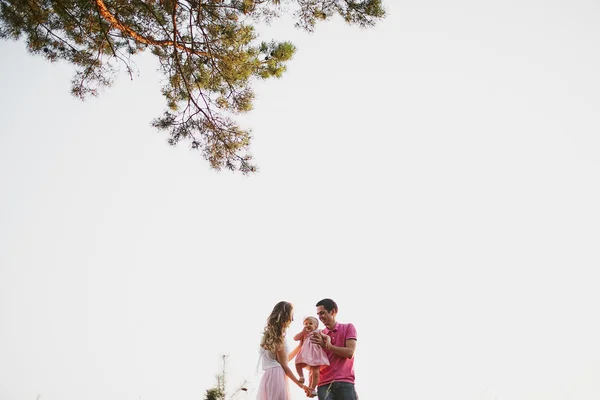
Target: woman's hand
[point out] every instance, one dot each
(308, 391)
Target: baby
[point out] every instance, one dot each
(310, 355)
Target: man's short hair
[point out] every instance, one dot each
(328, 304)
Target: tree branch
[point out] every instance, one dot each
(115, 23)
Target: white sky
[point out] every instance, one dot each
(437, 176)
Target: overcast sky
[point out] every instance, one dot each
(437, 176)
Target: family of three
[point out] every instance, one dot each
(327, 354)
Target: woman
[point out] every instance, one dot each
(274, 355)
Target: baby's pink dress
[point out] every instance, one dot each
(311, 354)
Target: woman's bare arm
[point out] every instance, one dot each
(299, 335)
(282, 359)
(294, 352)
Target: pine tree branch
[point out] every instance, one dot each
(115, 23)
(112, 47)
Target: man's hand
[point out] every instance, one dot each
(327, 342)
(318, 338)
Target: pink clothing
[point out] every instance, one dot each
(311, 354)
(273, 382)
(340, 369)
(273, 385)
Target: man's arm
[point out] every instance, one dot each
(346, 351)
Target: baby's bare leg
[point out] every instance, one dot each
(314, 377)
(300, 371)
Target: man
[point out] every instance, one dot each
(336, 381)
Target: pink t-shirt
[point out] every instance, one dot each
(340, 369)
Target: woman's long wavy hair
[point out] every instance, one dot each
(277, 323)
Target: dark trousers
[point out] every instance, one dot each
(337, 391)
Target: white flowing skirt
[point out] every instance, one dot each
(274, 385)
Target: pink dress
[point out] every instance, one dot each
(273, 382)
(311, 354)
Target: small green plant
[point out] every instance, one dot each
(219, 392)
